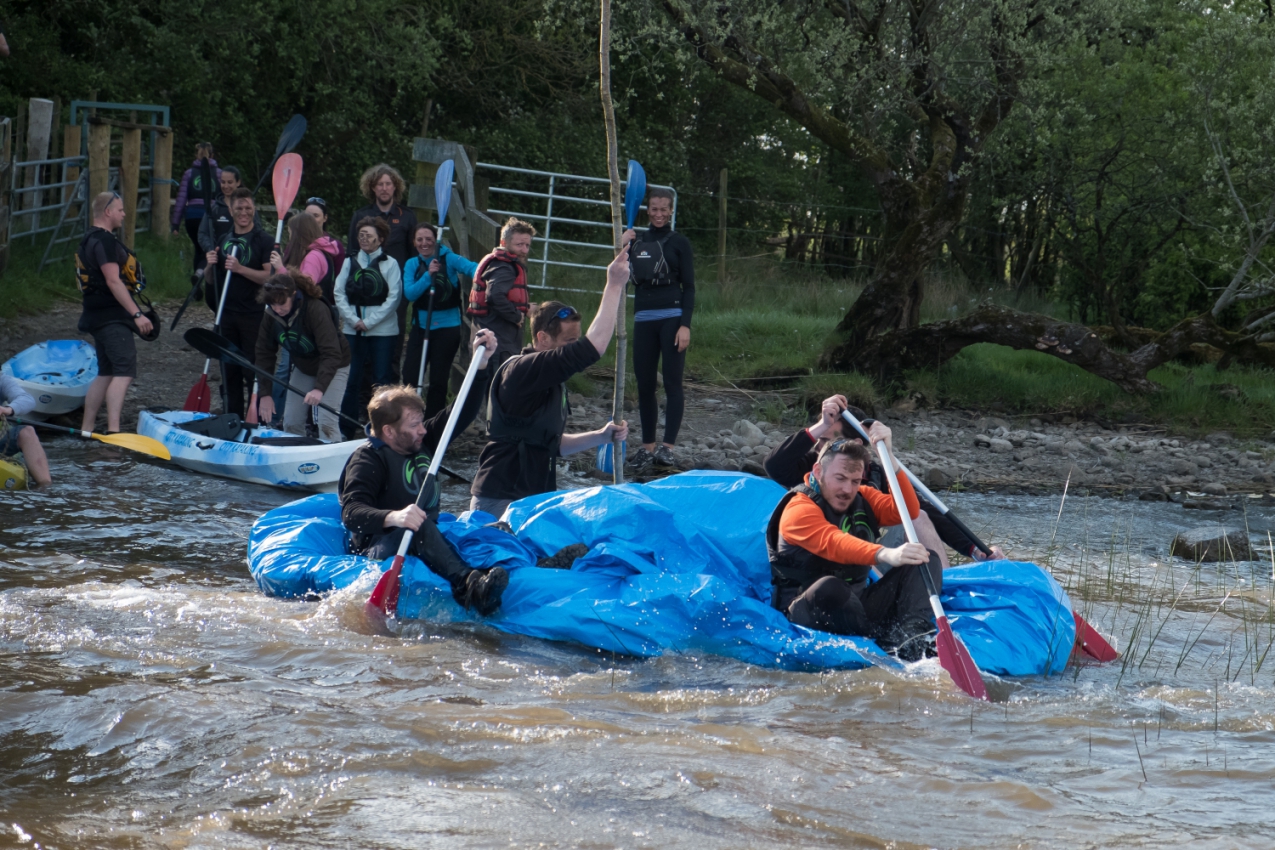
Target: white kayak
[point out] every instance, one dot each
(56, 373)
(312, 467)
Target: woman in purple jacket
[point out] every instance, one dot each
(195, 193)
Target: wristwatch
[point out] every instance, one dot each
(137, 315)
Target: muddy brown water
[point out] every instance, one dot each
(150, 696)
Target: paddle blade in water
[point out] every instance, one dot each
(634, 192)
(384, 599)
(287, 180)
(199, 399)
(136, 443)
(1093, 644)
(443, 189)
(956, 660)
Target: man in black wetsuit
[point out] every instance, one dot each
(381, 480)
(527, 406)
(790, 461)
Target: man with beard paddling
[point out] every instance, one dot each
(380, 482)
(821, 554)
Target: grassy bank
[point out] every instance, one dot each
(763, 331)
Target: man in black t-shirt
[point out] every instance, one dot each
(664, 280)
(527, 404)
(244, 252)
(110, 313)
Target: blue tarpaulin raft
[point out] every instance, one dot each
(677, 565)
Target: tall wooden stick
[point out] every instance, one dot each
(617, 224)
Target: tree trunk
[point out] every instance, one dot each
(888, 356)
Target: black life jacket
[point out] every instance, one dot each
(403, 479)
(90, 279)
(239, 243)
(201, 183)
(543, 429)
(222, 222)
(367, 287)
(649, 266)
(792, 567)
(290, 331)
(446, 296)
(328, 282)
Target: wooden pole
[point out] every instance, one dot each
(6, 180)
(39, 131)
(721, 231)
(161, 186)
(99, 159)
(70, 147)
(130, 174)
(617, 223)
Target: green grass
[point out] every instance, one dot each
(25, 289)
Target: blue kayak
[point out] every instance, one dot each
(56, 373)
(676, 565)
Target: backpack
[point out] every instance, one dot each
(366, 287)
(649, 265)
(87, 280)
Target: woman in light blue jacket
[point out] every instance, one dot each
(367, 292)
(434, 270)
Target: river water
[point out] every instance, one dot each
(150, 696)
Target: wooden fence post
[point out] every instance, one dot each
(99, 159)
(70, 148)
(161, 185)
(721, 230)
(130, 172)
(6, 180)
(39, 130)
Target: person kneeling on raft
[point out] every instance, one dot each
(821, 550)
(789, 462)
(380, 482)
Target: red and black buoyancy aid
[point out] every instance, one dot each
(796, 568)
(518, 297)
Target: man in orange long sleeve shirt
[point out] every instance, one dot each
(822, 545)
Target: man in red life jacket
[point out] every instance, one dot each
(498, 300)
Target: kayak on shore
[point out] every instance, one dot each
(676, 565)
(271, 457)
(56, 373)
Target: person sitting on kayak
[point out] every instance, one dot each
(300, 322)
(527, 406)
(790, 461)
(15, 401)
(821, 540)
(381, 480)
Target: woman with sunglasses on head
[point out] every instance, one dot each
(433, 271)
(317, 209)
(368, 290)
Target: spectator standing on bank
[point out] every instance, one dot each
(317, 209)
(367, 288)
(195, 194)
(664, 276)
(435, 268)
(110, 314)
(244, 252)
(498, 300)
(384, 187)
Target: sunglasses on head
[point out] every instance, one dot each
(318, 202)
(567, 313)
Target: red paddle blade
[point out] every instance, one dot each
(199, 399)
(384, 599)
(956, 660)
(1091, 643)
(287, 180)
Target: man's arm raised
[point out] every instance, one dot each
(603, 326)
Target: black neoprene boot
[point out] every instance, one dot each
(482, 589)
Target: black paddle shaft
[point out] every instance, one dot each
(211, 344)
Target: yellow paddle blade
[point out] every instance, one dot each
(137, 443)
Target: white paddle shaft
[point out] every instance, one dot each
(917, 485)
(479, 360)
(887, 463)
(221, 305)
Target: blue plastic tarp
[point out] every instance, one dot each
(675, 565)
